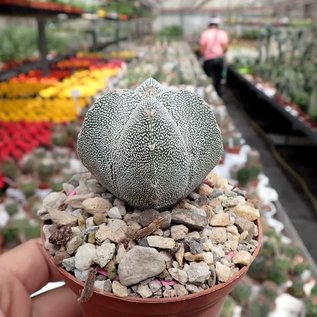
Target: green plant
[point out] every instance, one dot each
(241, 294)
(290, 251)
(12, 208)
(9, 169)
(268, 249)
(259, 268)
(269, 290)
(28, 189)
(171, 32)
(299, 268)
(151, 146)
(32, 231)
(297, 289)
(311, 308)
(45, 169)
(257, 309)
(278, 271)
(9, 234)
(28, 164)
(228, 308)
(313, 291)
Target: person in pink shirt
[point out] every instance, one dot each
(213, 46)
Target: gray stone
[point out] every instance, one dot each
(122, 210)
(242, 258)
(68, 188)
(247, 212)
(220, 220)
(231, 245)
(178, 232)
(167, 233)
(54, 200)
(245, 225)
(148, 216)
(119, 290)
(76, 201)
(179, 254)
(218, 251)
(143, 242)
(117, 202)
(190, 218)
(62, 218)
(107, 286)
(81, 275)
(100, 285)
(205, 190)
(99, 218)
(73, 244)
(198, 272)
(167, 220)
(94, 186)
(180, 290)
(115, 231)
(223, 272)
(233, 230)
(60, 255)
(191, 288)
(208, 257)
(169, 293)
(144, 291)
(69, 263)
(155, 286)
(178, 275)
(96, 204)
(194, 235)
(121, 252)
(219, 235)
(114, 213)
(231, 201)
(194, 246)
(76, 231)
(90, 222)
(105, 253)
(161, 242)
(158, 232)
(139, 264)
(85, 256)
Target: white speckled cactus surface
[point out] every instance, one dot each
(152, 146)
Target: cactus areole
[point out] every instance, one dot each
(150, 146)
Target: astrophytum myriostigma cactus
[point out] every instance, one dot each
(152, 146)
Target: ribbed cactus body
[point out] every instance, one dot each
(150, 147)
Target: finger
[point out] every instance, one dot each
(28, 264)
(61, 302)
(14, 300)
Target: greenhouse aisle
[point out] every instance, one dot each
(298, 209)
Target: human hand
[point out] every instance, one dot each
(23, 271)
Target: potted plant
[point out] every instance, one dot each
(149, 231)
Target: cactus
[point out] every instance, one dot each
(241, 293)
(11, 208)
(278, 271)
(9, 169)
(228, 308)
(46, 169)
(150, 147)
(297, 289)
(28, 164)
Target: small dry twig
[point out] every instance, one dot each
(144, 232)
(88, 289)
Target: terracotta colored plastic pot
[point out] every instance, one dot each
(207, 303)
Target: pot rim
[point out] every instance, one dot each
(163, 300)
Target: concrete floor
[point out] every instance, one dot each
(300, 212)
